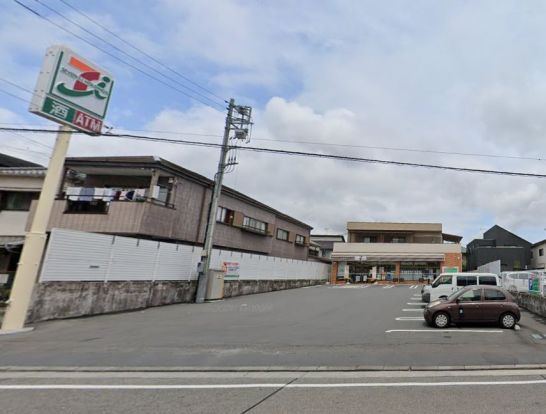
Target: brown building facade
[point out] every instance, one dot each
(396, 252)
(149, 197)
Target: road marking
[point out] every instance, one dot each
(414, 286)
(415, 303)
(264, 385)
(412, 310)
(388, 286)
(446, 330)
(410, 318)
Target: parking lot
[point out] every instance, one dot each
(367, 326)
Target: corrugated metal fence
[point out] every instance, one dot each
(80, 256)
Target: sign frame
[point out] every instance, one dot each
(72, 91)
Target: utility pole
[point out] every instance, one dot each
(241, 133)
(35, 239)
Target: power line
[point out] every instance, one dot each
(13, 95)
(127, 54)
(418, 150)
(16, 85)
(141, 51)
(30, 9)
(300, 153)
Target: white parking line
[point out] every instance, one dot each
(263, 385)
(412, 310)
(409, 318)
(416, 304)
(447, 330)
(414, 286)
(388, 286)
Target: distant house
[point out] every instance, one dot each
(498, 243)
(20, 183)
(322, 245)
(538, 257)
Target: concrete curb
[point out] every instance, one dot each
(358, 368)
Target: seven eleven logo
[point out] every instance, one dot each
(88, 82)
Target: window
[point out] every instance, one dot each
(541, 252)
(282, 234)
(224, 215)
(17, 200)
(256, 225)
(474, 295)
(87, 207)
(398, 239)
(492, 294)
(300, 239)
(466, 280)
(488, 280)
(443, 280)
(369, 239)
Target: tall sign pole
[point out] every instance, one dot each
(35, 239)
(74, 93)
(239, 124)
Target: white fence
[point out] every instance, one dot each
(491, 267)
(80, 256)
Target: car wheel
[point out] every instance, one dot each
(441, 320)
(508, 320)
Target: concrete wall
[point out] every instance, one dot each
(248, 287)
(533, 303)
(60, 300)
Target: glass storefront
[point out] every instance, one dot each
(409, 271)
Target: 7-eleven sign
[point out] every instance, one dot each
(72, 91)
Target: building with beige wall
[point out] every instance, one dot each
(538, 255)
(395, 252)
(151, 198)
(20, 183)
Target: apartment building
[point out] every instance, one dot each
(20, 183)
(151, 198)
(395, 252)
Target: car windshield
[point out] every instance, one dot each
(453, 296)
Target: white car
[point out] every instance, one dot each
(448, 283)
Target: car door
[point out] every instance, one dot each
(469, 305)
(493, 305)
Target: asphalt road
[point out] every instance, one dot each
(394, 392)
(309, 327)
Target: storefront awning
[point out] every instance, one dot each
(389, 258)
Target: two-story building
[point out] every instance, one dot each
(538, 257)
(498, 243)
(20, 183)
(151, 198)
(395, 252)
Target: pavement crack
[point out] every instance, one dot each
(269, 396)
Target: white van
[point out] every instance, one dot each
(448, 283)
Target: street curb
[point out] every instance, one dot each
(358, 368)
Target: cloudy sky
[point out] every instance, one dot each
(360, 78)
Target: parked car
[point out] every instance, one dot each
(449, 283)
(474, 304)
